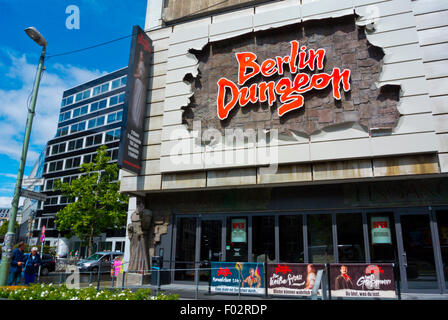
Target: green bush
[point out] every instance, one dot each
(53, 292)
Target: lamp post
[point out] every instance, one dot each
(9, 237)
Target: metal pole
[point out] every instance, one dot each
(9, 237)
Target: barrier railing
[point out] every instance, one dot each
(323, 287)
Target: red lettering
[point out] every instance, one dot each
(246, 60)
(280, 62)
(270, 87)
(248, 94)
(223, 109)
(294, 53)
(268, 68)
(339, 77)
(290, 102)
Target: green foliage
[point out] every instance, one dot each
(53, 292)
(99, 204)
(47, 249)
(4, 228)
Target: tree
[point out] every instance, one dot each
(99, 205)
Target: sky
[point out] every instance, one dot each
(99, 21)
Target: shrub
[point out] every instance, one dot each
(53, 292)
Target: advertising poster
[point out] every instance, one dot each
(226, 277)
(134, 109)
(381, 230)
(292, 279)
(362, 280)
(239, 230)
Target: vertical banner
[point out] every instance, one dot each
(227, 276)
(134, 109)
(292, 279)
(362, 280)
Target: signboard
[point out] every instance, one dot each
(362, 280)
(290, 92)
(33, 195)
(33, 182)
(226, 277)
(239, 233)
(134, 109)
(292, 279)
(42, 236)
(381, 230)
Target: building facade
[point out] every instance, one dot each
(91, 115)
(301, 131)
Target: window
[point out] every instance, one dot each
(111, 118)
(76, 112)
(119, 115)
(105, 87)
(114, 154)
(350, 237)
(49, 185)
(63, 102)
(86, 94)
(64, 116)
(263, 239)
(72, 163)
(102, 104)
(123, 81)
(113, 101)
(75, 144)
(62, 132)
(121, 98)
(96, 91)
(320, 238)
(291, 239)
(78, 97)
(113, 135)
(94, 107)
(68, 100)
(116, 84)
(100, 121)
(92, 124)
(58, 148)
(94, 140)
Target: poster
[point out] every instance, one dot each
(134, 109)
(239, 233)
(381, 230)
(292, 279)
(362, 280)
(227, 276)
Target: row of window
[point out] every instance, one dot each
(77, 144)
(58, 200)
(90, 124)
(92, 92)
(75, 162)
(95, 106)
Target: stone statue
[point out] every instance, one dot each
(138, 231)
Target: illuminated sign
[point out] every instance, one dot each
(238, 230)
(381, 230)
(289, 91)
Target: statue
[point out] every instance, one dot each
(138, 231)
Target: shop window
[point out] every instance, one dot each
(381, 237)
(236, 239)
(350, 237)
(185, 248)
(320, 238)
(291, 238)
(263, 239)
(442, 223)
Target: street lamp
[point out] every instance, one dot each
(9, 237)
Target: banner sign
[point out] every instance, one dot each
(239, 230)
(134, 109)
(362, 280)
(227, 276)
(292, 279)
(381, 230)
(289, 92)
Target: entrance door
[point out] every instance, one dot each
(210, 246)
(416, 252)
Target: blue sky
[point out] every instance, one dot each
(100, 21)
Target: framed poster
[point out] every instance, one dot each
(239, 230)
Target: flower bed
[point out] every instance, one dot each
(53, 292)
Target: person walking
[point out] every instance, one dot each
(32, 266)
(17, 263)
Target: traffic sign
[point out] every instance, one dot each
(33, 195)
(33, 182)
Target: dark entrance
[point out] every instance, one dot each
(210, 246)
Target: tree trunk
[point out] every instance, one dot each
(91, 240)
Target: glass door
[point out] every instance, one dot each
(210, 246)
(417, 254)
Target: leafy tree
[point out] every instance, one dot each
(4, 228)
(99, 204)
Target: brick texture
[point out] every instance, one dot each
(346, 46)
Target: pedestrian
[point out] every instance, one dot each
(32, 266)
(17, 263)
(116, 268)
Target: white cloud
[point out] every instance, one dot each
(5, 202)
(13, 110)
(9, 175)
